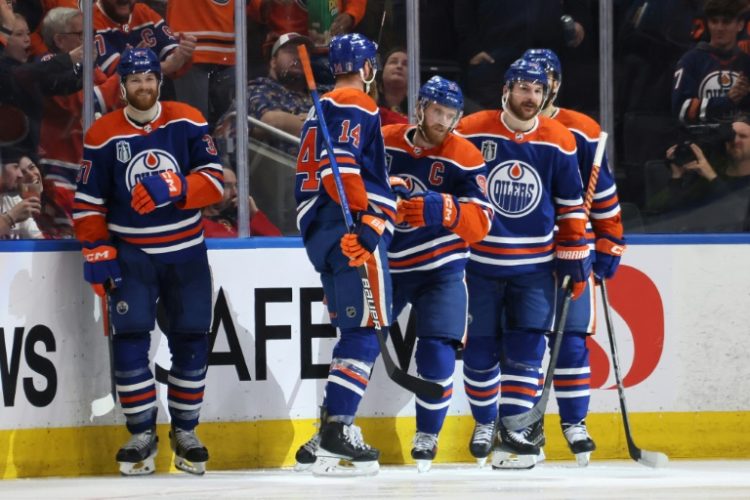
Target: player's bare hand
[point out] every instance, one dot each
(342, 24)
(30, 207)
(481, 57)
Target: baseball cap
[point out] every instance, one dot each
(289, 38)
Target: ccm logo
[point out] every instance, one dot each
(96, 256)
(447, 208)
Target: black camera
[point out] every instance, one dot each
(683, 154)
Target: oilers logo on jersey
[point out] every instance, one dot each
(717, 84)
(147, 163)
(514, 188)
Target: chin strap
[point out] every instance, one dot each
(365, 80)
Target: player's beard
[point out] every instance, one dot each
(434, 135)
(525, 110)
(143, 100)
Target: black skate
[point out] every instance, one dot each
(481, 442)
(514, 450)
(536, 436)
(306, 454)
(136, 457)
(579, 442)
(189, 453)
(340, 442)
(424, 451)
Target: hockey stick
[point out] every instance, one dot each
(520, 421)
(536, 413)
(409, 382)
(104, 405)
(645, 457)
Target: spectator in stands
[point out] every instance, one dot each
(38, 45)
(209, 83)
(280, 99)
(61, 141)
(17, 212)
(392, 85)
(220, 220)
(711, 81)
(54, 219)
(494, 33)
(695, 183)
(122, 23)
(29, 82)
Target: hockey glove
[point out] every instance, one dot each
(100, 265)
(430, 209)
(608, 252)
(400, 187)
(574, 260)
(158, 190)
(360, 244)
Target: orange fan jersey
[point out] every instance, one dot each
(211, 22)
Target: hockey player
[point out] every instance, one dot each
(572, 375)
(443, 210)
(147, 171)
(354, 124)
(533, 184)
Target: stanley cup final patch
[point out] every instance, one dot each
(123, 151)
(489, 150)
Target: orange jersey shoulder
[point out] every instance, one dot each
(395, 135)
(105, 128)
(462, 152)
(579, 122)
(481, 122)
(348, 96)
(553, 132)
(173, 110)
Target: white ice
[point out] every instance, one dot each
(717, 479)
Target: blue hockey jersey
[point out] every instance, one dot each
(118, 153)
(354, 125)
(455, 167)
(533, 183)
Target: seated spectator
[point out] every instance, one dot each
(281, 99)
(17, 212)
(55, 219)
(711, 81)
(392, 85)
(220, 220)
(696, 183)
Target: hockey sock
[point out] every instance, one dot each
(187, 377)
(353, 357)
(482, 377)
(136, 388)
(436, 361)
(521, 378)
(572, 378)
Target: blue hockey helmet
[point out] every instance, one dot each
(547, 59)
(523, 70)
(348, 53)
(442, 91)
(134, 61)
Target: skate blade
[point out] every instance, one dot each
(142, 468)
(333, 466)
(196, 468)
(509, 461)
(423, 465)
(583, 458)
(481, 462)
(300, 467)
(541, 457)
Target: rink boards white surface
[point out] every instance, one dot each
(683, 480)
(681, 317)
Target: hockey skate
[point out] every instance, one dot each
(536, 436)
(579, 442)
(424, 451)
(306, 454)
(514, 450)
(343, 452)
(136, 457)
(189, 453)
(481, 442)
